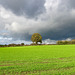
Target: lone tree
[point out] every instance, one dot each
(36, 37)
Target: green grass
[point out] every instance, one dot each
(38, 60)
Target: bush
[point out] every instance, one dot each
(62, 42)
(22, 44)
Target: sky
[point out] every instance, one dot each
(53, 19)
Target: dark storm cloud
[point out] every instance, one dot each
(65, 29)
(30, 8)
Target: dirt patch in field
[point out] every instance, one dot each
(66, 58)
(54, 59)
(65, 68)
(62, 58)
(73, 74)
(7, 65)
(11, 61)
(42, 62)
(39, 71)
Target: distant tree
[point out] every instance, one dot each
(59, 42)
(22, 44)
(66, 42)
(63, 42)
(36, 37)
(73, 41)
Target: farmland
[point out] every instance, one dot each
(38, 60)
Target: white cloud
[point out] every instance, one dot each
(3, 13)
(49, 41)
(5, 40)
(67, 39)
(73, 13)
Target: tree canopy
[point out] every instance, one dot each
(36, 37)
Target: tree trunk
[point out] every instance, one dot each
(36, 42)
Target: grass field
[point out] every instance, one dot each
(38, 60)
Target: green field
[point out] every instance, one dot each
(38, 60)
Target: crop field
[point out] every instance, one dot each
(38, 60)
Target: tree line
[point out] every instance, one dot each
(12, 45)
(66, 42)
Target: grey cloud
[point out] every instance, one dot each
(69, 3)
(29, 8)
(57, 22)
